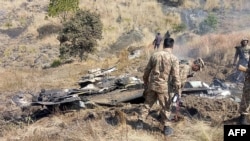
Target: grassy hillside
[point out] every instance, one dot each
(28, 36)
(28, 42)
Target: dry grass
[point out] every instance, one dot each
(65, 76)
(198, 131)
(216, 44)
(191, 4)
(142, 14)
(74, 126)
(211, 4)
(218, 4)
(146, 15)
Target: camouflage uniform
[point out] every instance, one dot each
(185, 70)
(160, 67)
(242, 53)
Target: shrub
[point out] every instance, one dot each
(62, 8)
(179, 28)
(209, 24)
(79, 35)
(55, 63)
(211, 21)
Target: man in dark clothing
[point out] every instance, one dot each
(241, 52)
(167, 35)
(157, 41)
(245, 100)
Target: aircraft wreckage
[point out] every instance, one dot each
(99, 86)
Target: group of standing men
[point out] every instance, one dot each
(165, 74)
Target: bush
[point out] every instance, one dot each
(211, 21)
(62, 8)
(179, 28)
(209, 24)
(56, 63)
(80, 34)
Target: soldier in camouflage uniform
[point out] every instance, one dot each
(188, 69)
(241, 52)
(161, 66)
(245, 100)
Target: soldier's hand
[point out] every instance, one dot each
(192, 74)
(179, 93)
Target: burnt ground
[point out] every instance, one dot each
(220, 110)
(215, 110)
(223, 110)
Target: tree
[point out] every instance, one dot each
(62, 8)
(80, 34)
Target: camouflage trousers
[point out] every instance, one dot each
(150, 98)
(245, 100)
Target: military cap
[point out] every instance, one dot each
(244, 39)
(200, 63)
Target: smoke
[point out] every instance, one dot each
(230, 16)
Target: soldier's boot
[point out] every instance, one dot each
(143, 114)
(167, 130)
(243, 120)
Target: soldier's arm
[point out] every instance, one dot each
(147, 70)
(236, 55)
(191, 75)
(176, 76)
(185, 71)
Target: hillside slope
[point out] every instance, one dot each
(28, 36)
(28, 43)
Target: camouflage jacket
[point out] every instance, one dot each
(162, 66)
(185, 71)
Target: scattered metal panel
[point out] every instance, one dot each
(21, 101)
(63, 101)
(217, 89)
(116, 96)
(100, 87)
(97, 86)
(196, 84)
